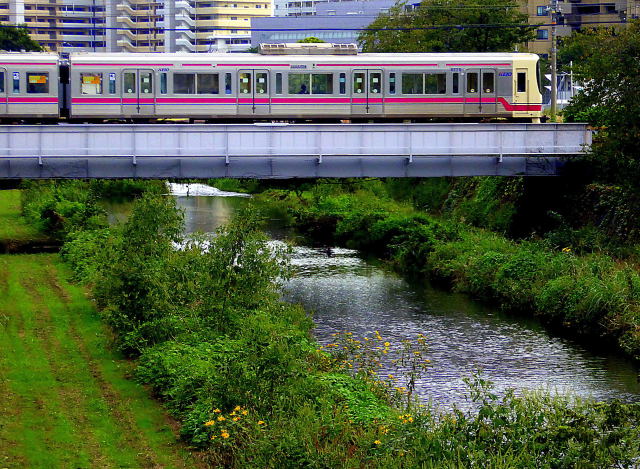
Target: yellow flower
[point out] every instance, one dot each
(233, 413)
(377, 442)
(217, 411)
(566, 249)
(221, 418)
(410, 419)
(224, 434)
(209, 423)
(387, 344)
(213, 437)
(260, 422)
(235, 419)
(237, 408)
(245, 412)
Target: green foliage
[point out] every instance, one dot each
(449, 26)
(311, 40)
(16, 38)
(607, 63)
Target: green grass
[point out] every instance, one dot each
(66, 399)
(12, 225)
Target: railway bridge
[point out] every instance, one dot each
(281, 150)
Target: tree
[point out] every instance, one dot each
(607, 63)
(16, 38)
(449, 26)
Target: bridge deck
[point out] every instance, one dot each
(287, 150)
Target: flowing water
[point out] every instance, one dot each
(347, 293)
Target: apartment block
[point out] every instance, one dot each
(137, 25)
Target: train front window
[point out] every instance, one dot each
(299, 83)
(129, 82)
(412, 83)
(322, 83)
(436, 83)
(488, 85)
(184, 83)
(91, 83)
(38, 82)
(375, 82)
(208, 83)
(262, 85)
(358, 83)
(245, 83)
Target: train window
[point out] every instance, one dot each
(392, 83)
(16, 82)
(112, 83)
(299, 83)
(375, 82)
(436, 83)
(359, 83)
(1, 82)
(522, 82)
(184, 83)
(129, 82)
(227, 83)
(488, 85)
(146, 82)
(322, 83)
(262, 85)
(163, 83)
(455, 83)
(91, 83)
(208, 83)
(38, 82)
(343, 83)
(278, 83)
(245, 83)
(472, 82)
(412, 83)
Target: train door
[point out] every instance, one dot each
(366, 97)
(3, 90)
(253, 92)
(480, 91)
(138, 93)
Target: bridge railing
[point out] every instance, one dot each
(245, 140)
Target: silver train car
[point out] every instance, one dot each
(159, 86)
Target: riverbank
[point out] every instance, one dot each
(587, 296)
(239, 370)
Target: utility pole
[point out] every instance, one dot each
(554, 68)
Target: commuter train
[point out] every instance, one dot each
(104, 87)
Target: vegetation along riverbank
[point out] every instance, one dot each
(239, 370)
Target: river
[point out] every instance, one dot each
(348, 293)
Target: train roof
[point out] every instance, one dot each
(169, 59)
(40, 58)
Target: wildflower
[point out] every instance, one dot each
(377, 442)
(237, 408)
(224, 434)
(221, 418)
(209, 423)
(566, 249)
(245, 412)
(387, 344)
(235, 419)
(216, 411)
(233, 413)
(260, 422)
(213, 437)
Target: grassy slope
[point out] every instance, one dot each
(66, 400)
(12, 225)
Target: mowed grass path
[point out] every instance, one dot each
(65, 399)
(12, 225)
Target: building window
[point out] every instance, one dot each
(542, 34)
(542, 11)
